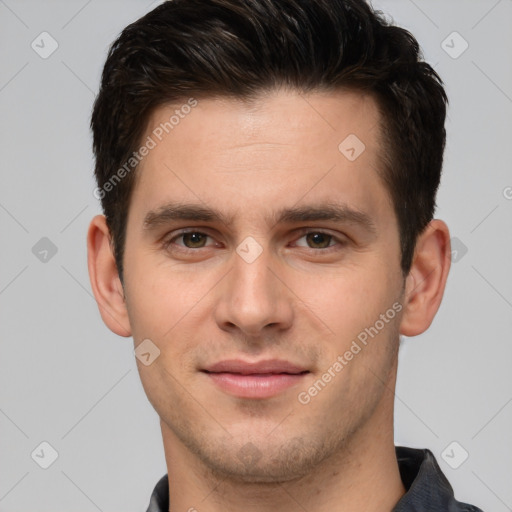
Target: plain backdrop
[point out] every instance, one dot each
(66, 380)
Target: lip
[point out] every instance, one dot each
(262, 379)
(255, 367)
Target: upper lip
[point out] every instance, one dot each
(259, 367)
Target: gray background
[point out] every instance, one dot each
(65, 379)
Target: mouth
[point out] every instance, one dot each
(256, 380)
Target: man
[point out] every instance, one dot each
(268, 172)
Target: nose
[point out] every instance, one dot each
(254, 298)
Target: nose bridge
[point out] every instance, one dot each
(253, 297)
(251, 270)
(251, 279)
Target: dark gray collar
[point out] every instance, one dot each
(427, 487)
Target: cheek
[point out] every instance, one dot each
(154, 306)
(169, 307)
(350, 300)
(358, 308)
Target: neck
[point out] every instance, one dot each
(363, 476)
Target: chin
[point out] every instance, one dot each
(270, 472)
(261, 462)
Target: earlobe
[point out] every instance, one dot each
(105, 282)
(426, 280)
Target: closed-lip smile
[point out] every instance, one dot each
(256, 380)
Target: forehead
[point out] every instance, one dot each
(280, 148)
(281, 117)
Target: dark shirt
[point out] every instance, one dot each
(427, 488)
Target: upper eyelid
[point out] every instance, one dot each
(168, 239)
(341, 240)
(301, 232)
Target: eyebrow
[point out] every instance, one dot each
(334, 212)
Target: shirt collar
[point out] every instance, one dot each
(427, 487)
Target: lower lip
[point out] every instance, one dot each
(255, 386)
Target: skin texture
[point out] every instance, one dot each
(303, 299)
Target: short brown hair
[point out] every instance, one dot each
(240, 48)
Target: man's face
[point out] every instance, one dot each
(271, 280)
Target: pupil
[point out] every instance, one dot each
(319, 238)
(194, 238)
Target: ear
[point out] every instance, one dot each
(426, 281)
(105, 282)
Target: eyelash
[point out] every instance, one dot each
(339, 243)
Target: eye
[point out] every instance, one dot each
(190, 239)
(318, 240)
